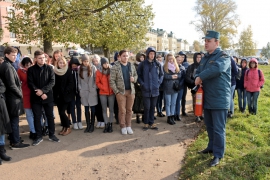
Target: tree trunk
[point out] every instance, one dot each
(106, 52)
(47, 36)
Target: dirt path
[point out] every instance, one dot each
(143, 155)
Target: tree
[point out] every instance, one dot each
(122, 26)
(217, 15)
(247, 47)
(266, 51)
(197, 46)
(61, 21)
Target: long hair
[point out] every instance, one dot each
(89, 67)
(53, 61)
(60, 59)
(174, 62)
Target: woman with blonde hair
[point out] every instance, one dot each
(88, 91)
(171, 86)
(63, 92)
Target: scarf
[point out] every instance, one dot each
(171, 67)
(105, 71)
(60, 72)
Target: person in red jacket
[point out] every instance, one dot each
(253, 81)
(105, 93)
(22, 73)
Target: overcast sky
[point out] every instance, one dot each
(175, 15)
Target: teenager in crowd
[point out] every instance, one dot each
(184, 63)
(122, 78)
(137, 106)
(150, 76)
(116, 57)
(5, 127)
(106, 94)
(190, 79)
(234, 71)
(56, 55)
(13, 95)
(241, 91)
(63, 92)
(171, 78)
(182, 87)
(22, 73)
(98, 109)
(160, 96)
(76, 99)
(253, 81)
(88, 91)
(41, 80)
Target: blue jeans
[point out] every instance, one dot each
(159, 102)
(178, 102)
(2, 140)
(215, 121)
(242, 99)
(170, 103)
(15, 135)
(30, 119)
(231, 101)
(149, 109)
(252, 99)
(76, 101)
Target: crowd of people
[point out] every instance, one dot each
(140, 85)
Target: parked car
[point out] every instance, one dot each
(260, 60)
(78, 52)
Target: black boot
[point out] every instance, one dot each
(138, 119)
(106, 128)
(3, 154)
(110, 129)
(177, 118)
(92, 123)
(169, 120)
(87, 117)
(173, 119)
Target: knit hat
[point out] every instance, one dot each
(103, 60)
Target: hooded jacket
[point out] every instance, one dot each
(252, 80)
(74, 60)
(185, 63)
(150, 75)
(191, 71)
(240, 82)
(103, 82)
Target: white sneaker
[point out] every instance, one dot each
(129, 130)
(75, 126)
(80, 125)
(98, 124)
(102, 124)
(124, 131)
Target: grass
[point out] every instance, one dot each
(247, 154)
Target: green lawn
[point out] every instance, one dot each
(247, 154)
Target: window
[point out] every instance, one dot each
(12, 35)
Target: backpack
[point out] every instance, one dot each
(259, 72)
(239, 73)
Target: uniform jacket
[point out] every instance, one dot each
(4, 117)
(215, 73)
(150, 75)
(22, 73)
(103, 83)
(63, 89)
(252, 81)
(87, 87)
(13, 92)
(117, 81)
(41, 78)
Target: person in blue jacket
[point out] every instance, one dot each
(150, 76)
(241, 91)
(214, 74)
(183, 57)
(234, 72)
